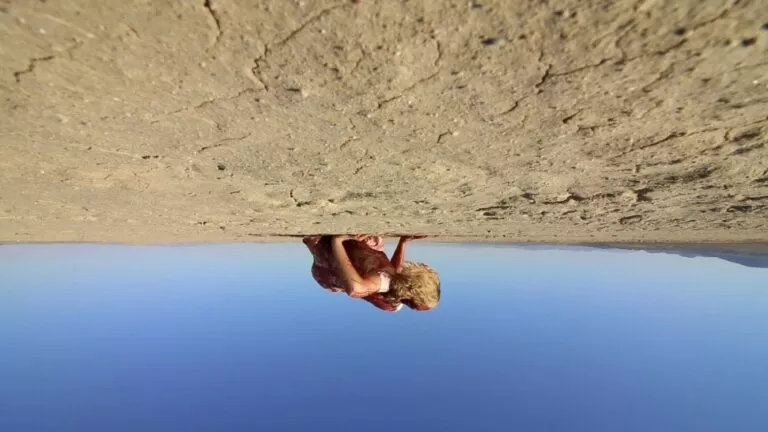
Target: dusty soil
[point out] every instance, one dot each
(218, 120)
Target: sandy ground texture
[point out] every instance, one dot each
(230, 120)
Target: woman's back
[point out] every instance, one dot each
(367, 256)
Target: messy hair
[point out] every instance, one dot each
(416, 286)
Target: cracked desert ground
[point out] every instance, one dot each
(227, 120)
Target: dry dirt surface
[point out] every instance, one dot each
(232, 120)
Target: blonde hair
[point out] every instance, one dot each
(415, 285)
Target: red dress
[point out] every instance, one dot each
(367, 256)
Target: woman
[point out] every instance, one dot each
(358, 266)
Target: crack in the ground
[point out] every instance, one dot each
(223, 142)
(678, 134)
(515, 106)
(664, 51)
(580, 68)
(668, 137)
(347, 142)
(748, 102)
(256, 69)
(108, 151)
(296, 202)
(664, 74)
(441, 136)
(667, 50)
(622, 59)
(361, 165)
(382, 103)
(31, 66)
(593, 127)
(352, 124)
(439, 53)
(363, 55)
(549, 74)
(625, 28)
(309, 21)
(659, 52)
(544, 77)
(256, 74)
(208, 5)
(211, 101)
(749, 66)
(568, 118)
(722, 14)
(728, 137)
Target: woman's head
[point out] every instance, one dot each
(416, 286)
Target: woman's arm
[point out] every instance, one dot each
(355, 284)
(399, 256)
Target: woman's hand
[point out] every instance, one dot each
(399, 256)
(345, 237)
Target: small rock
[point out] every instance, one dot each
(221, 167)
(748, 41)
(630, 195)
(493, 41)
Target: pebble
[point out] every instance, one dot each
(748, 41)
(494, 41)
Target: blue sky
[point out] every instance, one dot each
(238, 337)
